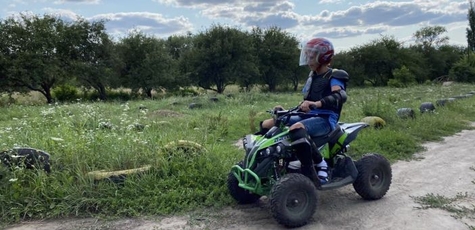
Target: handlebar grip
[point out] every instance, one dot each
(278, 109)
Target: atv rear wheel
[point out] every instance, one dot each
(241, 195)
(293, 200)
(374, 176)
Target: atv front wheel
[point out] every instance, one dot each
(293, 200)
(374, 176)
(241, 195)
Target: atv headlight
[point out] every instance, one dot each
(269, 150)
(278, 149)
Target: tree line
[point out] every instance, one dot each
(41, 53)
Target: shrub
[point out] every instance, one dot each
(464, 69)
(402, 77)
(119, 96)
(111, 96)
(65, 93)
(184, 92)
(378, 109)
(395, 83)
(6, 99)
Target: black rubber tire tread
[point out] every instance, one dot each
(241, 195)
(367, 166)
(289, 183)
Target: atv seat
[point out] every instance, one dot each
(330, 138)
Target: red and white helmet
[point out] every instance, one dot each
(317, 50)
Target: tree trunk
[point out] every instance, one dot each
(148, 92)
(220, 89)
(102, 92)
(272, 85)
(295, 85)
(47, 91)
(220, 85)
(47, 94)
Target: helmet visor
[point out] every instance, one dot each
(307, 56)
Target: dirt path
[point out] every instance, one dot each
(447, 168)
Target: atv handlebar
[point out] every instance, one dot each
(283, 116)
(279, 112)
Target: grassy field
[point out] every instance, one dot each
(84, 137)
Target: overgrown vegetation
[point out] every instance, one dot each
(88, 136)
(447, 204)
(47, 54)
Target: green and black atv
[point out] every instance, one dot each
(271, 169)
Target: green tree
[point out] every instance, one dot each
(146, 63)
(438, 54)
(346, 60)
(276, 51)
(402, 77)
(247, 81)
(415, 62)
(220, 55)
(3, 72)
(37, 52)
(431, 37)
(378, 59)
(95, 63)
(438, 62)
(247, 77)
(464, 69)
(297, 74)
(375, 58)
(450, 55)
(471, 29)
(160, 68)
(179, 46)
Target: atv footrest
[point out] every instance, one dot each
(336, 183)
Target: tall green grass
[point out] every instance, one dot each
(83, 137)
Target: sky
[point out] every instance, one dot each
(347, 24)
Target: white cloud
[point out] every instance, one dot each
(152, 23)
(257, 13)
(392, 14)
(354, 19)
(118, 24)
(198, 3)
(78, 1)
(378, 14)
(62, 13)
(330, 1)
(343, 32)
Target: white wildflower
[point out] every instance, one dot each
(106, 125)
(126, 106)
(49, 111)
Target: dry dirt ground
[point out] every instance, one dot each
(446, 168)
